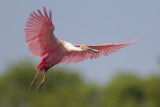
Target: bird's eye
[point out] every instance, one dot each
(83, 47)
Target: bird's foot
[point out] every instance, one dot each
(40, 86)
(31, 84)
(34, 79)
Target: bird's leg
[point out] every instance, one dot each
(42, 82)
(49, 67)
(35, 77)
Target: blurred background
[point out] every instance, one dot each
(127, 78)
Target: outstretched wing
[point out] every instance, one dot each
(39, 33)
(105, 49)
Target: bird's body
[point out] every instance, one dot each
(52, 57)
(42, 42)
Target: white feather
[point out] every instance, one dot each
(71, 47)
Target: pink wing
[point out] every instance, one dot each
(105, 49)
(39, 33)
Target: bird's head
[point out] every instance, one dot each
(85, 48)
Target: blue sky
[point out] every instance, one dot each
(89, 22)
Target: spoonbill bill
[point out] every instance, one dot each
(42, 42)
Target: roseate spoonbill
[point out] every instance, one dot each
(42, 42)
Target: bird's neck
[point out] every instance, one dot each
(70, 47)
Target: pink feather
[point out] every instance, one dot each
(104, 49)
(42, 42)
(39, 33)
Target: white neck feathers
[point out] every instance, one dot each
(70, 47)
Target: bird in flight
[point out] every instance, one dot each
(42, 42)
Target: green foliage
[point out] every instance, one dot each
(131, 91)
(61, 89)
(64, 88)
